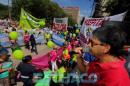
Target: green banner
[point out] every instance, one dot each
(27, 21)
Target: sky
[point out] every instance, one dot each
(85, 6)
(4, 2)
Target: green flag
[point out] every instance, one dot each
(27, 21)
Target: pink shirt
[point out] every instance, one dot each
(69, 47)
(26, 38)
(53, 55)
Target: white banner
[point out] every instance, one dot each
(87, 28)
(118, 17)
(60, 23)
(91, 24)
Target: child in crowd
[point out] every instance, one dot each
(66, 55)
(26, 71)
(69, 47)
(53, 58)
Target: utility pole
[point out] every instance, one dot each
(9, 11)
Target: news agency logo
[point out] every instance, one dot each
(75, 78)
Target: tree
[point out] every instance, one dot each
(3, 11)
(39, 9)
(71, 21)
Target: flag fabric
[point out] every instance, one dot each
(27, 21)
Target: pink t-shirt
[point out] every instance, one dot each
(53, 55)
(69, 47)
(26, 38)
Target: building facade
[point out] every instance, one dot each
(73, 12)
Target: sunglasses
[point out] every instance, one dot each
(94, 44)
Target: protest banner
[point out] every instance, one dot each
(91, 24)
(60, 23)
(58, 39)
(4, 40)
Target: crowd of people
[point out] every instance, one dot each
(102, 65)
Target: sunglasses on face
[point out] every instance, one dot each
(94, 44)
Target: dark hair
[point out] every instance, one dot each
(13, 29)
(112, 33)
(26, 31)
(27, 58)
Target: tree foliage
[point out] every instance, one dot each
(3, 11)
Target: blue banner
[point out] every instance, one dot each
(40, 39)
(4, 40)
(58, 39)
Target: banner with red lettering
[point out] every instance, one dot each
(60, 23)
(91, 24)
(87, 28)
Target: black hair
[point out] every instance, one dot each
(13, 29)
(27, 59)
(112, 33)
(26, 31)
